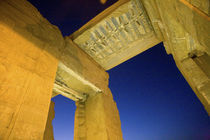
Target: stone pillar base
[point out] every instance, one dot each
(97, 119)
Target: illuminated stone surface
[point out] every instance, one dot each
(48, 133)
(27, 71)
(185, 30)
(117, 37)
(37, 62)
(32, 50)
(183, 26)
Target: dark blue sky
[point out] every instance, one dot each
(154, 100)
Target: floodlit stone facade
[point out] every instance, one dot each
(38, 63)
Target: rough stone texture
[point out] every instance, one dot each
(198, 80)
(22, 18)
(185, 30)
(183, 26)
(48, 133)
(30, 48)
(79, 71)
(80, 122)
(203, 5)
(27, 70)
(27, 22)
(124, 33)
(97, 118)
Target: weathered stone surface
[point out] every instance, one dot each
(119, 36)
(27, 70)
(183, 18)
(48, 133)
(30, 48)
(198, 80)
(182, 25)
(79, 71)
(37, 30)
(185, 30)
(80, 122)
(98, 118)
(203, 5)
(154, 16)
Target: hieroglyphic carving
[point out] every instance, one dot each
(114, 33)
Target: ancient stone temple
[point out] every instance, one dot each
(38, 63)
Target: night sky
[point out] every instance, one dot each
(154, 100)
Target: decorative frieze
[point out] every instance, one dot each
(113, 34)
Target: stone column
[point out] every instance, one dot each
(27, 70)
(80, 122)
(27, 74)
(48, 134)
(98, 119)
(26, 84)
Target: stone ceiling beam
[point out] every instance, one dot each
(78, 71)
(68, 92)
(117, 34)
(98, 18)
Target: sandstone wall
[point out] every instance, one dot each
(184, 27)
(30, 50)
(48, 133)
(27, 70)
(97, 118)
